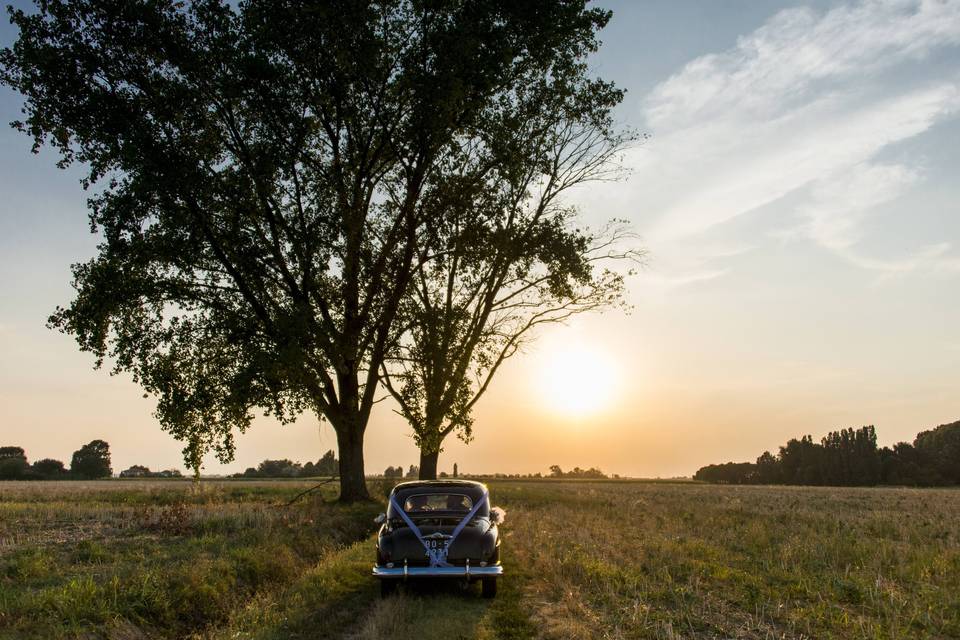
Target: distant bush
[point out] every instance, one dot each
(13, 463)
(48, 469)
(139, 471)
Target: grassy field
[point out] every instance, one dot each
(155, 559)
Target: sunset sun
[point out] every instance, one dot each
(577, 381)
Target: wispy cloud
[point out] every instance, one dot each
(802, 107)
(666, 282)
(840, 201)
(789, 59)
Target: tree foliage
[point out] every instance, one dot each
(939, 450)
(327, 465)
(49, 469)
(393, 472)
(266, 172)
(13, 463)
(91, 461)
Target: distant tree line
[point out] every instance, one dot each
(577, 472)
(850, 457)
(327, 465)
(555, 472)
(89, 462)
(413, 472)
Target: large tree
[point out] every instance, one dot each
(265, 173)
(509, 256)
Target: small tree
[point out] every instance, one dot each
(509, 257)
(91, 461)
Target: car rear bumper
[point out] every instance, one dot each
(437, 572)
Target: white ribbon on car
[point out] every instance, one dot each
(438, 555)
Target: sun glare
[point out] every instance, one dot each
(577, 381)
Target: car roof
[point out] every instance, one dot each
(439, 485)
(475, 490)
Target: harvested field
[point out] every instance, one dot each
(616, 559)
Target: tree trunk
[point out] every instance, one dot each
(353, 484)
(428, 465)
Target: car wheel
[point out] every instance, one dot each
(387, 588)
(489, 587)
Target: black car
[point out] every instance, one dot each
(439, 529)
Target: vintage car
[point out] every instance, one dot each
(439, 529)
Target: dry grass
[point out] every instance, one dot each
(694, 561)
(583, 559)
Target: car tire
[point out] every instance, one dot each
(489, 587)
(387, 588)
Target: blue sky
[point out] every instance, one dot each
(799, 200)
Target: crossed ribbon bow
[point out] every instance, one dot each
(438, 555)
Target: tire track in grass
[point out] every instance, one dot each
(447, 611)
(338, 599)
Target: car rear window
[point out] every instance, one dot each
(426, 502)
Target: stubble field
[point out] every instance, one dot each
(616, 559)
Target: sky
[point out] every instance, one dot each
(799, 202)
